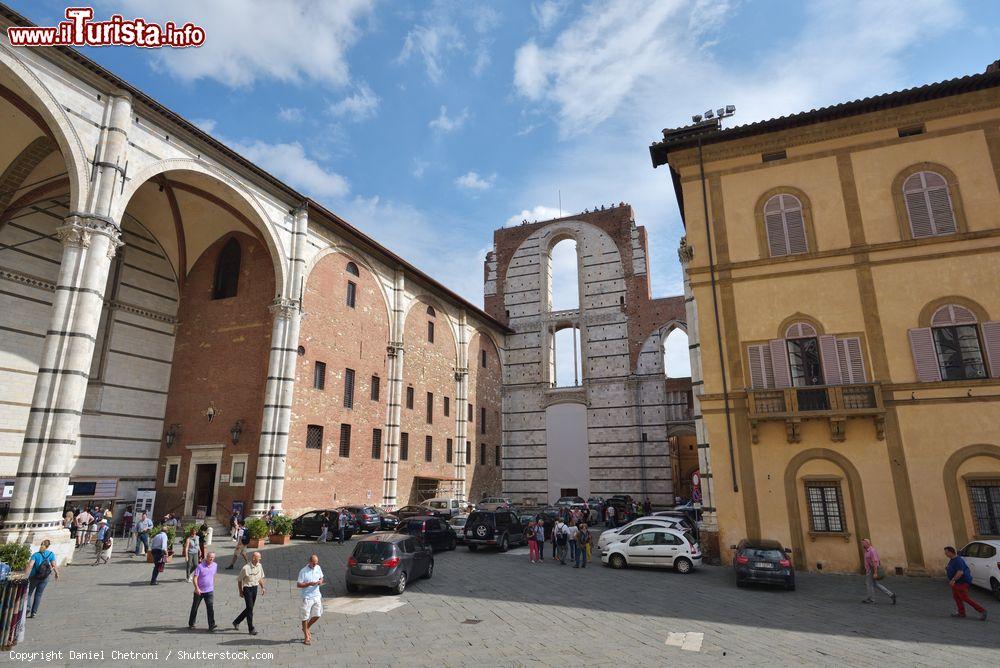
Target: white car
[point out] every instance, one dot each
(609, 536)
(660, 547)
(493, 503)
(984, 562)
(450, 507)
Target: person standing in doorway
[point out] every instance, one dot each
(873, 573)
(41, 567)
(142, 528)
(158, 546)
(242, 540)
(204, 590)
(251, 578)
(309, 582)
(960, 577)
(192, 553)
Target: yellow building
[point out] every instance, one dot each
(846, 291)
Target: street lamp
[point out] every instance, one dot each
(172, 433)
(236, 430)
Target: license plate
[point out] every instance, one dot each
(763, 564)
(367, 567)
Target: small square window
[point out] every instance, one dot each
(428, 448)
(348, 388)
(409, 398)
(482, 454)
(172, 472)
(447, 406)
(496, 455)
(376, 444)
(404, 446)
(482, 358)
(314, 437)
(376, 382)
(345, 440)
(319, 375)
(430, 408)
(238, 473)
(826, 507)
(449, 451)
(482, 419)
(352, 294)
(468, 452)
(430, 332)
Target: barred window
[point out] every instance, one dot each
(826, 507)
(482, 419)
(468, 452)
(449, 453)
(496, 455)
(404, 446)
(985, 498)
(430, 332)
(471, 412)
(482, 358)
(319, 375)
(482, 454)
(447, 406)
(376, 444)
(352, 293)
(409, 397)
(428, 448)
(348, 388)
(314, 437)
(430, 407)
(352, 269)
(376, 381)
(345, 440)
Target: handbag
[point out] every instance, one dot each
(879, 572)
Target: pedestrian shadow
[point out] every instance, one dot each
(253, 642)
(158, 630)
(124, 584)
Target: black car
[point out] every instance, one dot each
(434, 532)
(367, 518)
(763, 561)
(623, 509)
(387, 520)
(388, 560)
(310, 524)
(499, 528)
(407, 512)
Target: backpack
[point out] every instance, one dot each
(44, 569)
(245, 537)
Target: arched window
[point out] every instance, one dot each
(951, 348)
(804, 361)
(430, 324)
(928, 205)
(564, 281)
(804, 357)
(431, 312)
(352, 269)
(785, 226)
(227, 271)
(567, 362)
(676, 355)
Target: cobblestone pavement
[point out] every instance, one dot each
(487, 609)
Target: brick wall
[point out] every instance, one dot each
(484, 392)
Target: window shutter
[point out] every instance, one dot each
(775, 234)
(852, 363)
(924, 356)
(831, 361)
(919, 214)
(761, 373)
(941, 211)
(952, 314)
(779, 363)
(795, 228)
(991, 337)
(928, 205)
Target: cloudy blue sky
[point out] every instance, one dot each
(430, 124)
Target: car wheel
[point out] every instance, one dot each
(683, 566)
(473, 548)
(352, 588)
(995, 586)
(401, 585)
(430, 570)
(617, 561)
(503, 544)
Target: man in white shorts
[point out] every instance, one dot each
(310, 579)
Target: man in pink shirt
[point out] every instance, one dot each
(871, 572)
(203, 577)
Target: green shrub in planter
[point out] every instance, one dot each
(281, 525)
(186, 531)
(171, 534)
(15, 555)
(257, 527)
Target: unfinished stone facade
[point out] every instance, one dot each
(612, 432)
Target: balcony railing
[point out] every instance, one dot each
(836, 403)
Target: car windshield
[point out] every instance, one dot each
(458, 522)
(374, 549)
(761, 553)
(486, 518)
(437, 504)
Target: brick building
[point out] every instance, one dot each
(621, 426)
(174, 318)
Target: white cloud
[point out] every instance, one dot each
(251, 40)
(547, 13)
(205, 124)
(290, 114)
(289, 162)
(432, 43)
(472, 181)
(419, 167)
(362, 104)
(445, 123)
(540, 212)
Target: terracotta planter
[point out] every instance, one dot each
(256, 542)
(149, 557)
(280, 539)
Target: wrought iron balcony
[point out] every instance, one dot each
(835, 403)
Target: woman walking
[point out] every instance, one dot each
(192, 552)
(583, 542)
(872, 574)
(532, 542)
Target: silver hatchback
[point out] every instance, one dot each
(388, 560)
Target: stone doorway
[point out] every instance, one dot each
(204, 488)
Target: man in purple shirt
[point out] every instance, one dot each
(203, 578)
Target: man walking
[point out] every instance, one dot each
(250, 578)
(204, 590)
(82, 521)
(559, 540)
(309, 582)
(40, 566)
(142, 528)
(872, 565)
(342, 521)
(159, 549)
(960, 577)
(571, 533)
(242, 540)
(102, 546)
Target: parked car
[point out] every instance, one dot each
(366, 517)
(623, 509)
(388, 560)
(661, 547)
(493, 503)
(388, 521)
(981, 555)
(684, 518)
(457, 523)
(445, 505)
(764, 561)
(310, 524)
(689, 510)
(434, 532)
(499, 528)
(407, 512)
(572, 502)
(609, 536)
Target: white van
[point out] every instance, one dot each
(443, 504)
